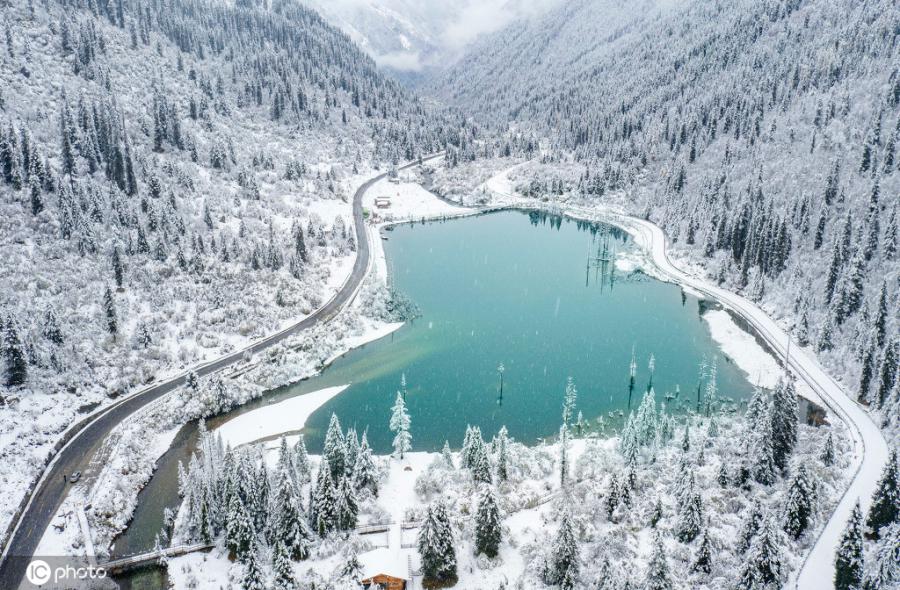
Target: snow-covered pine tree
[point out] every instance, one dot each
(399, 425)
(784, 420)
(564, 562)
(447, 455)
(502, 455)
(435, 544)
(239, 533)
(887, 374)
(885, 509)
(563, 455)
(334, 449)
(763, 452)
(751, 524)
(253, 577)
(569, 400)
(301, 461)
(611, 501)
(848, 561)
(365, 474)
(16, 370)
(658, 576)
(798, 508)
(487, 523)
(288, 524)
(764, 566)
(347, 508)
(323, 503)
(883, 572)
(109, 308)
(50, 328)
(351, 442)
(703, 559)
(690, 513)
(283, 572)
(827, 454)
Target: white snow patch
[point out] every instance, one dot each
(285, 416)
(743, 349)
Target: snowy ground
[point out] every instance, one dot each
(408, 201)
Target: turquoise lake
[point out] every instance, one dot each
(539, 294)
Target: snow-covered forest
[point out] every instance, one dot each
(762, 136)
(175, 182)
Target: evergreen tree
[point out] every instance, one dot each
(848, 562)
(502, 455)
(435, 544)
(884, 573)
(447, 456)
(764, 453)
(399, 424)
(865, 379)
(481, 465)
(487, 523)
(690, 513)
(323, 504)
(109, 307)
(118, 267)
(334, 450)
(752, 522)
(50, 330)
(301, 461)
(885, 508)
(658, 576)
(703, 559)
(282, 569)
(799, 505)
(887, 375)
(365, 474)
(289, 527)
(564, 564)
(827, 455)
(351, 444)
(253, 577)
(881, 316)
(239, 537)
(347, 508)
(16, 370)
(764, 565)
(784, 421)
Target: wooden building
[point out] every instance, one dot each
(384, 570)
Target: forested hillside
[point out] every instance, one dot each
(175, 180)
(761, 135)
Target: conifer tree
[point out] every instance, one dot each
(752, 522)
(109, 307)
(351, 444)
(435, 544)
(763, 452)
(239, 536)
(282, 569)
(799, 505)
(16, 370)
(301, 461)
(887, 375)
(334, 449)
(502, 455)
(885, 508)
(50, 329)
(118, 267)
(690, 513)
(400, 423)
(848, 562)
(253, 577)
(564, 564)
(447, 456)
(365, 474)
(288, 525)
(487, 523)
(784, 421)
(323, 504)
(764, 565)
(884, 570)
(658, 575)
(347, 508)
(827, 455)
(703, 560)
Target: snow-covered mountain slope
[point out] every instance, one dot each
(409, 37)
(174, 181)
(761, 135)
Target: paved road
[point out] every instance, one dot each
(51, 490)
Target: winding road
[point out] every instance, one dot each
(86, 437)
(869, 447)
(870, 450)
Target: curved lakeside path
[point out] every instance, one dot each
(870, 450)
(85, 438)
